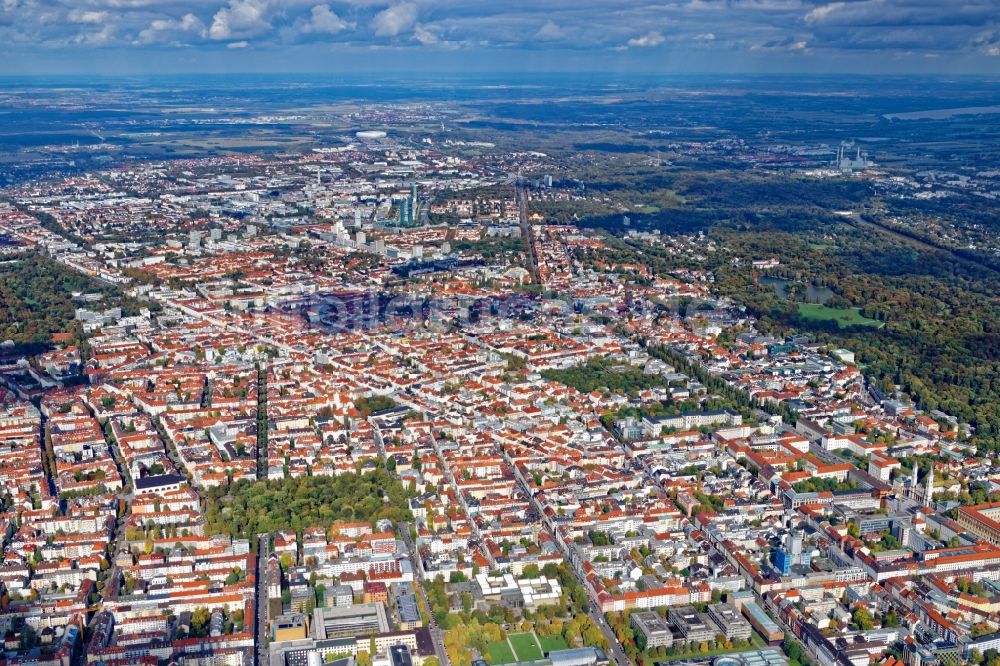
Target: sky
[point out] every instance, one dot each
(108, 37)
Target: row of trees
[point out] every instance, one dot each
(823, 484)
(638, 652)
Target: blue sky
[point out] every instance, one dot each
(669, 36)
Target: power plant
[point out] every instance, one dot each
(847, 163)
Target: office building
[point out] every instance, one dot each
(695, 627)
(654, 630)
(729, 620)
(357, 620)
(782, 561)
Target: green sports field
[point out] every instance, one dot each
(500, 653)
(525, 646)
(552, 643)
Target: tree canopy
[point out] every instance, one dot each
(252, 508)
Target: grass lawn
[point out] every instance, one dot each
(552, 643)
(500, 653)
(843, 316)
(525, 646)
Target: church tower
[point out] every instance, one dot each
(929, 490)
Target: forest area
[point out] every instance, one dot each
(36, 299)
(939, 319)
(941, 336)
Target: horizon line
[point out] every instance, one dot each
(589, 72)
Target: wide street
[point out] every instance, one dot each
(437, 635)
(261, 605)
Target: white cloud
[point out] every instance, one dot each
(423, 35)
(162, 30)
(238, 45)
(988, 43)
(86, 17)
(127, 4)
(395, 19)
(649, 39)
(550, 31)
(325, 20)
(837, 27)
(99, 38)
(242, 18)
(820, 13)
